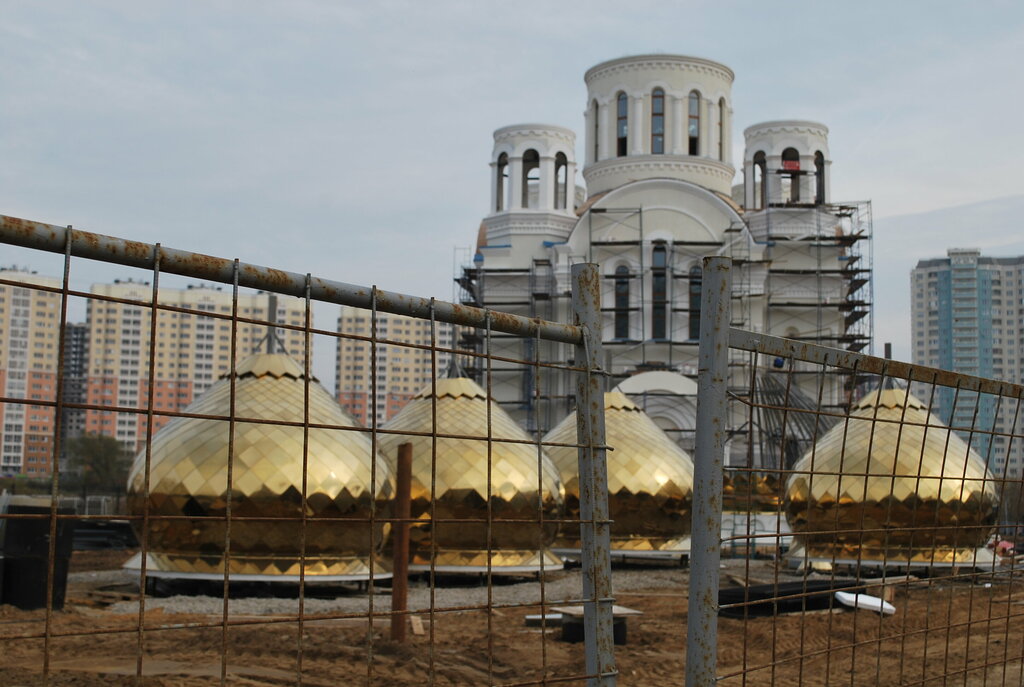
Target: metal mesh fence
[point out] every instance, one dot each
(870, 512)
(854, 518)
(266, 513)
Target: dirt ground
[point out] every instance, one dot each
(967, 632)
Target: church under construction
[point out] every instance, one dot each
(659, 197)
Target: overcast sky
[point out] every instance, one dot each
(352, 139)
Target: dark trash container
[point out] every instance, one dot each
(26, 557)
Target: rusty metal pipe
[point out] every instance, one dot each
(54, 239)
(400, 569)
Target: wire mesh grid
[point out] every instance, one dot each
(274, 512)
(868, 527)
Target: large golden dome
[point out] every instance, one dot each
(188, 477)
(462, 489)
(650, 480)
(928, 497)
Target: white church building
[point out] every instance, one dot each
(659, 196)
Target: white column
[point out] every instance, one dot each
(588, 135)
(712, 149)
(546, 197)
(828, 181)
(702, 147)
(570, 187)
(678, 126)
(807, 181)
(494, 186)
(515, 182)
(636, 126)
(604, 131)
(773, 181)
(749, 191)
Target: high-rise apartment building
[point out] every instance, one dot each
(191, 350)
(29, 347)
(966, 316)
(401, 371)
(76, 374)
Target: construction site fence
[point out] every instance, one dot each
(781, 552)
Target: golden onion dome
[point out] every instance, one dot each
(650, 479)
(189, 470)
(462, 491)
(892, 483)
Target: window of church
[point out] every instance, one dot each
(531, 178)
(659, 292)
(596, 123)
(693, 128)
(622, 302)
(622, 124)
(502, 181)
(760, 180)
(696, 283)
(790, 175)
(819, 177)
(658, 121)
(721, 129)
(561, 181)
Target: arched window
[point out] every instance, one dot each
(621, 302)
(531, 178)
(819, 177)
(790, 176)
(621, 124)
(696, 282)
(561, 181)
(659, 292)
(721, 129)
(760, 181)
(596, 114)
(693, 126)
(502, 181)
(657, 121)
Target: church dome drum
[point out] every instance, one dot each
(189, 477)
(650, 480)
(458, 541)
(893, 484)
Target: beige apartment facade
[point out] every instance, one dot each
(192, 350)
(29, 363)
(401, 371)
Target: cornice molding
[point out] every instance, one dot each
(651, 165)
(697, 65)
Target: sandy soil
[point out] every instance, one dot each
(942, 628)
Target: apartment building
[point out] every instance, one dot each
(29, 347)
(967, 316)
(401, 371)
(191, 350)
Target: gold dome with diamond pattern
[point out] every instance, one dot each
(891, 483)
(188, 477)
(462, 490)
(650, 480)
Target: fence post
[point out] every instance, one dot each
(595, 527)
(705, 553)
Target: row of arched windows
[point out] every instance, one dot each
(659, 302)
(693, 132)
(790, 174)
(531, 181)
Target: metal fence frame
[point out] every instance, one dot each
(584, 334)
(717, 338)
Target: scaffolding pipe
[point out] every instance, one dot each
(54, 239)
